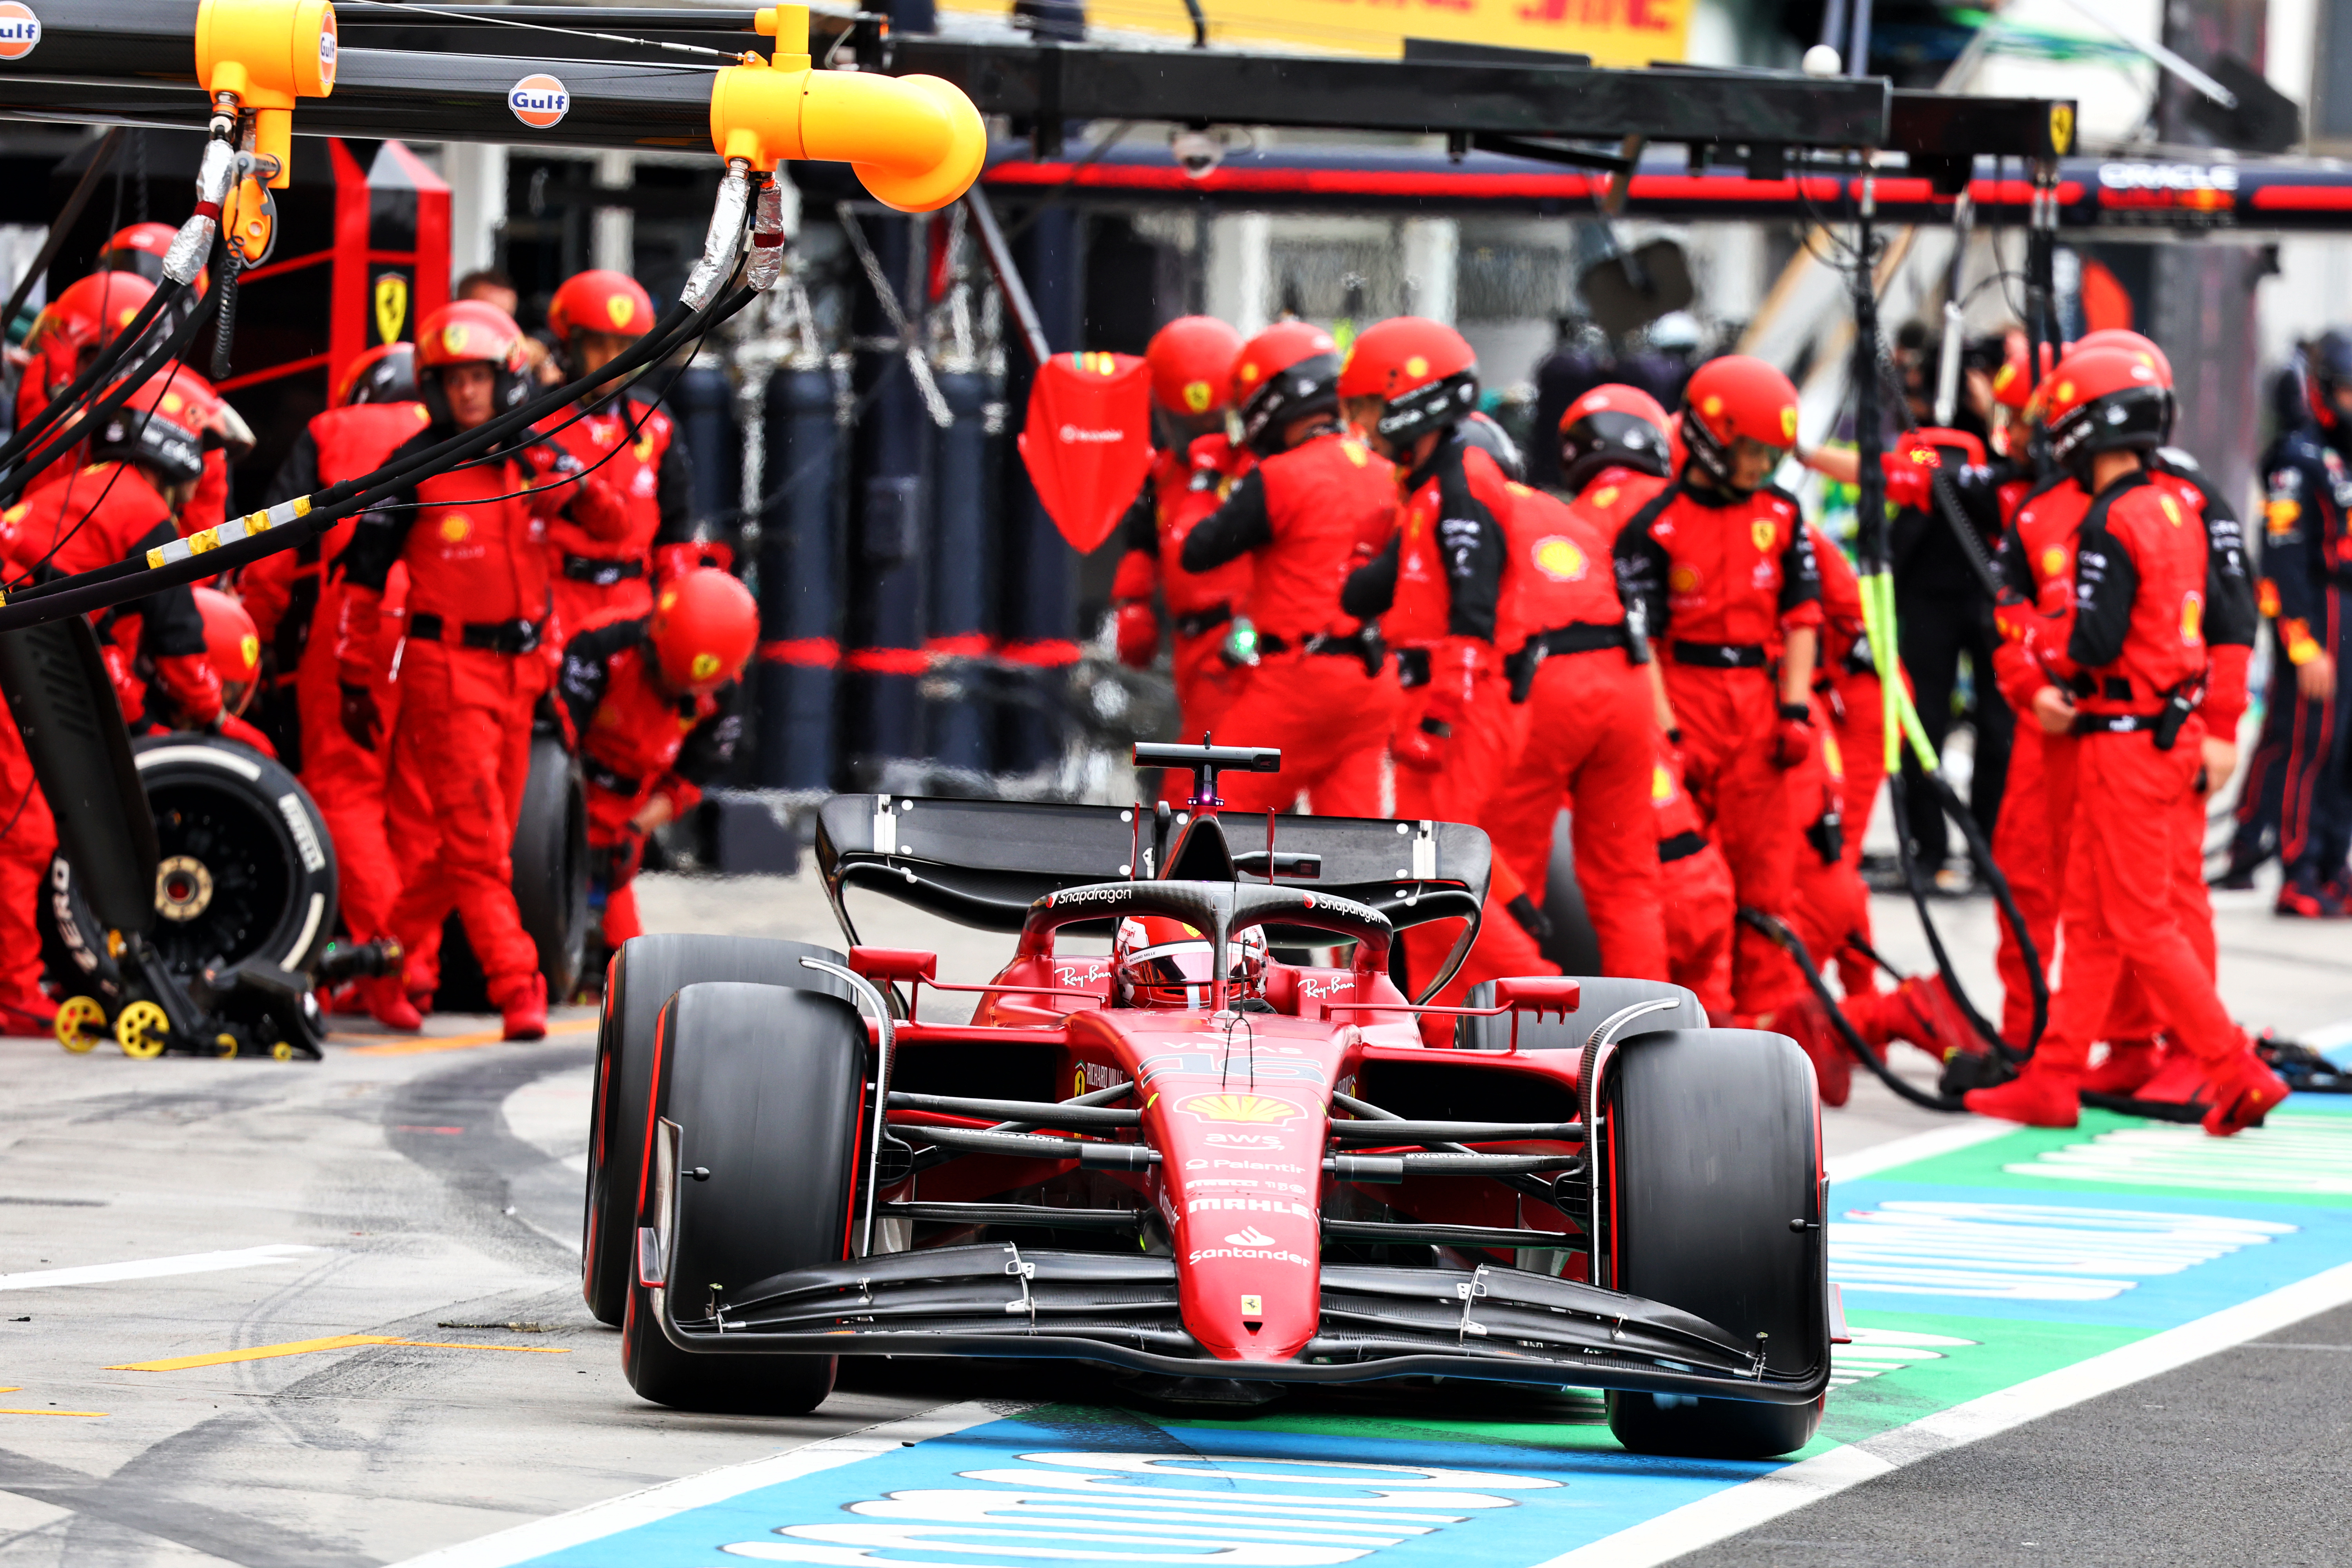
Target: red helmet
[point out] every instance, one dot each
(472, 333)
(82, 320)
(2106, 400)
(706, 624)
(1613, 425)
(140, 248)
(1425, 372)
(1737, 397)
(233, 644)
(1191, 361)
(2130, 342)
(160, 424)
(189, 398)
(385, 373)
(600, 301)
(1285, 373)
(2013, 385)
(1157, 961)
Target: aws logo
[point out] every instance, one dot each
(540, 100)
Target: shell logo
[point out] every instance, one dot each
(1199, 396)
(1761, 534)
(705, 666)
(1684, 579)
(540, 100)
(2171, 509)
(173, 402)
(454, 337)
(1258, 1110)
(20, 30)
(1789, 422)
(1662, 783)
(1248, 374)
(2053, 562)
(622, 311)
(2192, 620)
(249, 650)
(1560, 559)
(1416, 365)
(455, 527)
(1711, 406)
(1605, 497)
(2063, 396)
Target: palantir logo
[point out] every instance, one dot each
(20, 30)
(539, 101)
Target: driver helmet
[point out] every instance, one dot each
(1157, 961)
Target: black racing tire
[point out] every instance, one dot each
(550, 865)
(764, 1084)
(1600, 998)
(638, 983)
(246, 868)
(1713, 1147)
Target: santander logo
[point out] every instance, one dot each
(1249, 1236)
(540, 100)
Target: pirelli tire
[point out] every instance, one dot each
(1713, 1151)
(758, 1092)
(247, 869)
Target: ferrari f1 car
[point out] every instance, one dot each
(1273, 1181)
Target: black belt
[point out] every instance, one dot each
(1357, 645)
(1723, 654)
(1200, 621)
(604, 778)
(601, 571)
(1681, 847)
(488, 637)
(1413, 666)
(1577, 636)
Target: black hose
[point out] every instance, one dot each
(1949, 803)
(95, 373)
(1758, 920)
(225, 334)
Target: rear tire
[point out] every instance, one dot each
(765, 1086)
(639, 983)
(1712, 1143)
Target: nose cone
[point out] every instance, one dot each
(1242, 1172)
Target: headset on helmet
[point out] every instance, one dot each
(160, 425)
(600, 301)
(83, 319)
(1486, 433)
(140, 248)
(472, 333)
(705, 625)
(232, 645)
(1737, 397)
(385, 373)
(2105, 400)
(1192, 359)
(1424, 371)
(1287, 372)
(1157, 961)
(1613, 425)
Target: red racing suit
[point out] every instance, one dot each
(1577, 674)
(1319, 689)
(1182, 488)
(636, 743)
(1850, 708)
(1719, 579)
(474, 664)
(639, 457)
(2149, 584)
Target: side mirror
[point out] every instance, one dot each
(886, 965)
(1539, 994)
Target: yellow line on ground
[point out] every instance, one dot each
(52, 1413)
(419, 1044)
(305, 1347)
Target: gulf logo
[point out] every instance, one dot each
(539, 101)
(20, 30)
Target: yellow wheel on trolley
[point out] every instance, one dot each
(282, 1051)
(141, 1030)
(80, 1024)
(225, 1046)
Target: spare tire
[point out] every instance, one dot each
(550, 882)
(246, 868)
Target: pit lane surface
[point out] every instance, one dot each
(415, 1205)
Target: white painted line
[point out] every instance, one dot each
(1767, 1497)
(152, 1267)
(599, 1520)
(1962, 1135)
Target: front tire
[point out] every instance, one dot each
(765, 1086)
(639, 982)
(1713, 1142)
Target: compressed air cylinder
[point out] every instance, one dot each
(890, 460)
(955, 718)
(799, 582)
(1038, 585)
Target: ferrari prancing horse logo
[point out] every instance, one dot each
(390, 307)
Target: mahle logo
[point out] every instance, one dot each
(539, 101)
(20, 30)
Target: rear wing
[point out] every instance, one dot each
(982, 863)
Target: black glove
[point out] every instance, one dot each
(361, 719)
(1533, 921)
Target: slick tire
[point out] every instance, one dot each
(764, 1086)
(1711, 1144)
(246, 868)
(638, 983)
(1600, 999)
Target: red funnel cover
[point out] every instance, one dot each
(1087, 441)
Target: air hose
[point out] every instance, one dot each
(1758, 920)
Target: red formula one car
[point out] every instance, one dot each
(788, 1165)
